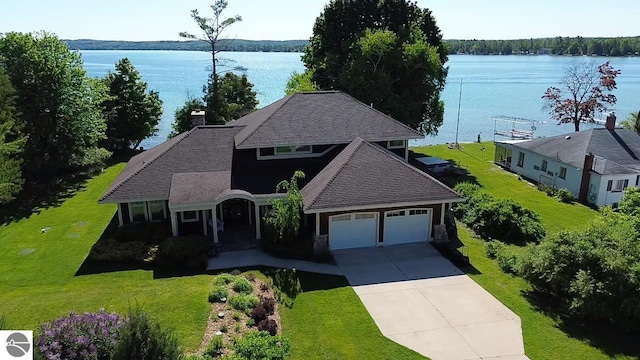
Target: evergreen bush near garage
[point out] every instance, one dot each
(502, 219)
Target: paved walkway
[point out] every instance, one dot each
(422, 301)
(256, 257)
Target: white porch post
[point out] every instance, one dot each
(120, 215)
(221, 214)
(444, 207)
(249, 212)
(204, 222)
(174, 223)
(317, 224)
(406, 150)
(214, 221)
(257, 215)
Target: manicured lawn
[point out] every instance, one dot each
(545, 336)
(328, 321)
(554, 214)
(42, 285)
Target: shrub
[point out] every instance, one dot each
(565, 196)
(113, 251)
(548, 189)
(79, 336)
(507, 260)
(264, 287)
(238, 328)
(260, 345)
(215, 347)
(251, 277)
(224, 328)
(630, 202)
(243, 302)
(187, 253)
(594, 271)
(218, 293)
(236, 272)
(223, 279)
(268, 325)
(269, 304)
(258, 314)
(250, 322)
(242, 285)
(491, 248)
(142, 338)
(237, 316)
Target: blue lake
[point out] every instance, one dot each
(491, 85)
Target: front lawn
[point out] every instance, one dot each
(546, 335)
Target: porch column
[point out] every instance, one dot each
(444, 208)
(406, 151)
(221, 214)
(174, 223)
(120, 215)
(204, 222)
(317, 224)
(214, 220)
(249, 212)
(257, 215)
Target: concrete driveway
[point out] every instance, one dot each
(422, 301)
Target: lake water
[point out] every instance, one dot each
(491, 85)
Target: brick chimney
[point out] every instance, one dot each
(610, 123)
(197, 118)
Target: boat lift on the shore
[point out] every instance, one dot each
(514, 133)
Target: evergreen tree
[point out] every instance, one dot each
(11, 142)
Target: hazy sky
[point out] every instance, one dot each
(293, 19)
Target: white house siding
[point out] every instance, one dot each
(605, 197)
(571, 181)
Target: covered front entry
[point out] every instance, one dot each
(354, 230)
(407, 226)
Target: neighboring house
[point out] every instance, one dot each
(359, 189)
(595, 165)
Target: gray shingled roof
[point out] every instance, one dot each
(365, 174)
(325, 117)
(620, 148)
(198, 188)
(147, 176)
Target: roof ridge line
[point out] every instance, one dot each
(267, 119)
(380, 112)
(413, 168)
(333, 177)
(146, 164)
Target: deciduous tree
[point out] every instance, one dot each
(11, 142)
(386, 53)
(586, 88)
(632, 122)
(182, 120)
(132, 112)
(60, 113)
(300, 82)
(284, 218)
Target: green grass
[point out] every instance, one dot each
(42, 285)
(554, 215)
(545, 336)
(327, 320)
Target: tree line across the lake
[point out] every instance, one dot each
(618, 46)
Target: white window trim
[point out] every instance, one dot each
(146, 212)
(182, 219)
(293, 155)
(389, 146)
(164, 210)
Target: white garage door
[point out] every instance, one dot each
(353, 231)
(407, 226)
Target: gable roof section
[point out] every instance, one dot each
(198, 188)
(366, 175)
(619, 148)
(148, 175)
(324, 117)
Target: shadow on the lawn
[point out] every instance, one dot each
(603, 335)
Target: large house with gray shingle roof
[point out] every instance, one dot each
(596, 165)
(359, 188)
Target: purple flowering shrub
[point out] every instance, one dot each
(79, 336)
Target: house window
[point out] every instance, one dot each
(395, 213)
(616, 185)
(189, 216)
(418, 212)
(156, 210)
(365, 216)
(137, 211)
(544, 165)
(563, 173)
(395, 144)
(267, 151)
(637, 179)
(626, 184)
(341, 218)
(521, 159)
(286, 150)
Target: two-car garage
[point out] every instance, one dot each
(356, 230)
